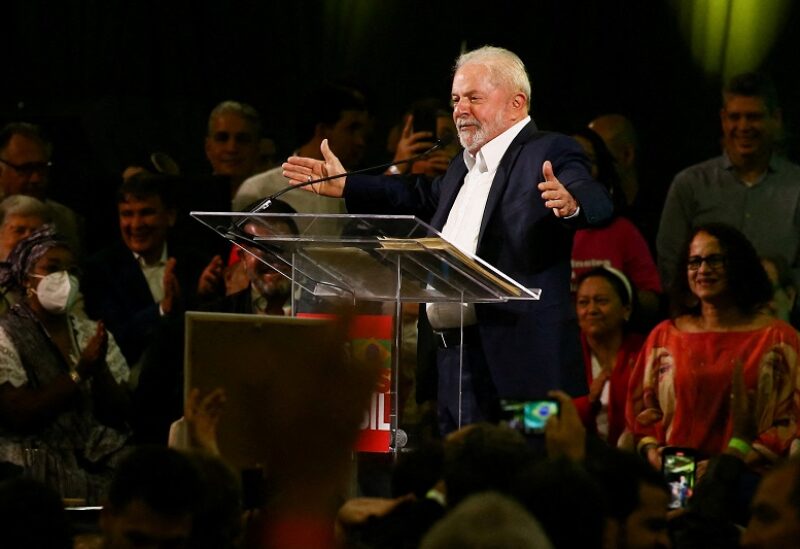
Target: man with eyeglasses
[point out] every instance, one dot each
(25, 170)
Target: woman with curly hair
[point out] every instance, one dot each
(680, 390)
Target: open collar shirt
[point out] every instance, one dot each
(464, 221)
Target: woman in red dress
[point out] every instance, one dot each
(604, 302)
(680, 389)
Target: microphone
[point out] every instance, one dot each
(236, 232)
(441, 142)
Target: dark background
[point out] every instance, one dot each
(112, 80)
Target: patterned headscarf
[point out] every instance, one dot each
(14, 271)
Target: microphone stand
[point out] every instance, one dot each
(267, 202)
(236, 233)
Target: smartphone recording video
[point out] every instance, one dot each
(529, 416)
(679, 466)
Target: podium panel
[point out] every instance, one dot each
(375, 263)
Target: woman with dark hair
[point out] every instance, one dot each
(619, 243)
(680, 389)
(63, 400)
(604, 303)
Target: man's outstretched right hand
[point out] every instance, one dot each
(301, 169)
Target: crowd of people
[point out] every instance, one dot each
(655, 336)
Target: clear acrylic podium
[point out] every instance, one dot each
(390, 260)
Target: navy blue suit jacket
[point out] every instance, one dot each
(530, 346)
(117, 293)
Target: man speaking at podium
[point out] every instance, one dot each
(514, 199)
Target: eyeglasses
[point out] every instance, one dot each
(714, 261)
(29, 168)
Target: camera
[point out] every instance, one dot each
(529, 416)
(679, 466)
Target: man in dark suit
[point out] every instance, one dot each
(140, 288)
(488, 203)
(143, 280)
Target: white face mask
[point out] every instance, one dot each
(57, 292)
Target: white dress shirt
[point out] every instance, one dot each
(464, 221)
(154, 274)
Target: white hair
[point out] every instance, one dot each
(505, 68)
(248, 112)
(20, 204)
(487, 519)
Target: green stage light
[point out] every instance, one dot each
(727, 37)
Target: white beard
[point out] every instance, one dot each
(473, 140)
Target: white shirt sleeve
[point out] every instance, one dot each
(11, 370)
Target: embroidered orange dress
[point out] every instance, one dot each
(680, 388)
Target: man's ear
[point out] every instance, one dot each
(172, 216)
(207, 148)
(519, 101)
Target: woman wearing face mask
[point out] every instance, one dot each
(63, 394)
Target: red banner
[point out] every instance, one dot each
(371, 341)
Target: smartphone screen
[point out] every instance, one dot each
(529, 416)
(679, 466)
(425, 121)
